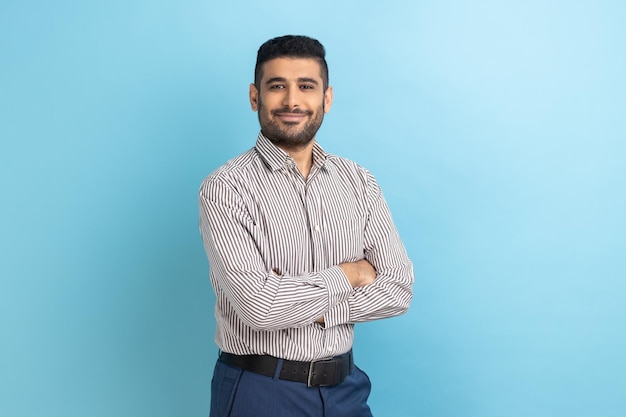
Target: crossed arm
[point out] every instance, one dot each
(374, 287)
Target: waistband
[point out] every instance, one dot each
(321, 373)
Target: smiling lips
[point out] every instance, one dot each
(291, 116)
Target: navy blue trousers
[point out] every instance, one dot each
(238, 393)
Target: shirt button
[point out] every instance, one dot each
(329, 348)
(317, 228)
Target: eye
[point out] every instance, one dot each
(307, 87)
(277, 87)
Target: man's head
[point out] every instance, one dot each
(290, 90)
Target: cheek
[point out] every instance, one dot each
(261, 108)
(265, 106)
(266, 113)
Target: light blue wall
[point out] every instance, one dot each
(497, 130)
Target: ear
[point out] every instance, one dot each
(328, 99)
(254, 97)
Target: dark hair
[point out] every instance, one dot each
(291, 46)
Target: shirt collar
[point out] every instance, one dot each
(276, 158)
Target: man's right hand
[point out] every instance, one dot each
(359, 273)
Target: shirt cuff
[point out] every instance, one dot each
(339, 314)
(337, 285)
(339, 290)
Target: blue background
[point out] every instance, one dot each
(496, 128)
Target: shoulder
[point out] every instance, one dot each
(231, 173)
(348, 169)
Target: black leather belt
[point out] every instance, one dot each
(315, 374)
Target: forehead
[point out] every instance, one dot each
(292, 68)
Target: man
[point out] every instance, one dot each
(301, 246)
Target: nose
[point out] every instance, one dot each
(291, 98)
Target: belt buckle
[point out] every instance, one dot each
(324, 380)
(308, 381)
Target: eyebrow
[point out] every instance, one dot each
(300, 80)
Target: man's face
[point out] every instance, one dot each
(291, 101)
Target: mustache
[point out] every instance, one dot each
(278, 112)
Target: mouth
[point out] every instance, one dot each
(290, 117)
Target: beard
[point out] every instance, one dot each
(291, 136)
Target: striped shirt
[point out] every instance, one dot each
(274, 242)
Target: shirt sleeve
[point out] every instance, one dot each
(391, 292)
(262, 298)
